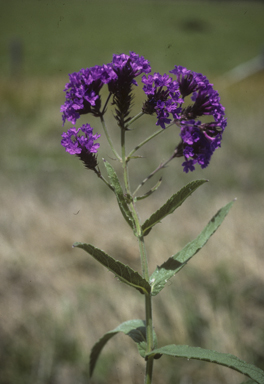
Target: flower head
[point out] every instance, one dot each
(199, 140)
(189, 81)
(162, 98)
(82, 92)
(83, 89)
(126, 68)
(83, 146)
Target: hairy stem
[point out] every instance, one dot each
(124, 162)
(144, 142)
(109, 138)
(147, 140)
(144, 265)
(161, 166)
(98, 172)
(148, 299)
(134, 119)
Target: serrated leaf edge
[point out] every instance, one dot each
(226, 208)
(119, 195)
(232, 362)
(89, 248)
(174, 201)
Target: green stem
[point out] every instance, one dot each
(109, 139)
(98, 172)
(124, 162)
(161, 166)
(144, 142)
(147, 140)
(134, 119)
(148, 297)
(144, 265)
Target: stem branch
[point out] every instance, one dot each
(109, 138)
(161, 166)
(134, 119)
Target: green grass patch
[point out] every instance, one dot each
(63, 36)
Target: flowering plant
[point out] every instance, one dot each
(200, 121)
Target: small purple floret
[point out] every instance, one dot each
(162, 98)
(75, 144)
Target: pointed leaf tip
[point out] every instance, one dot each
(175, 263)
(171, 205)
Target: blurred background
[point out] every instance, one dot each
(55, 301)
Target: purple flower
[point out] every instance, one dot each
(189, 81)
(126, 68)
(199, 140)
(188, 165)
(82, 92)
(162, 98)
(83, 146)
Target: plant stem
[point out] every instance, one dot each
(134, 119)
(147, 139)
(148, 299)
(109, 139)
(144, 265)
(144, 142)
(98, 172)
(161, 166)
(124, 162)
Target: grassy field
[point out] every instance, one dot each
(56, 301)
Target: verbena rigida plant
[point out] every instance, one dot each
(200, 123)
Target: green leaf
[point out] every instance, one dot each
(124, 273)
(169, 207)
(135, 329)
(249, 382)
(224, 359)
(175, 263)
(119, 195)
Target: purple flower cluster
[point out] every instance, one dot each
(83, 90)
(199, 140)
(83, 97)
(83, 146)
(163, 97)
(166, 98)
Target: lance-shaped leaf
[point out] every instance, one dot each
(124, 273)
(169, 207)
(119, 194)
(224, 359)
(175, 263)
(135, 329)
